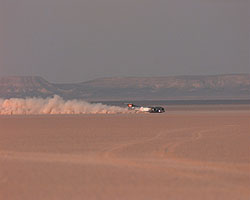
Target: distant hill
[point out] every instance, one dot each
(132, 88)
(26, 86)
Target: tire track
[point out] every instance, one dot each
(166, 156)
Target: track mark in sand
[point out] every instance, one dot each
(3, 178)
(169, 149)
(111, 152)
(168, 152)
(105, 157)
(165, 159)
(158, 163)
(50, 157)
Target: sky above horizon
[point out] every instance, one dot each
(79, 40)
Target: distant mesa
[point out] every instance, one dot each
(26, 86)
(236, 86)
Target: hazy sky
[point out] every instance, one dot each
(78, 40)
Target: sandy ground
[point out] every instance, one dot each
(176, 155)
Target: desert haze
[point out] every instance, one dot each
(178, 155)
(234, 86)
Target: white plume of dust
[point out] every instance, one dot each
(54, 105)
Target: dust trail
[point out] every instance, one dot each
(54, 105)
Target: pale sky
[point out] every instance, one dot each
(79, 40)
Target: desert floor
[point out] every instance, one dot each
(178, 155)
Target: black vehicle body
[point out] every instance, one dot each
(137, 108)
(157, 110)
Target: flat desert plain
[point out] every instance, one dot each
(178, 155)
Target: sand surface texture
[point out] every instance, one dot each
(176, 156)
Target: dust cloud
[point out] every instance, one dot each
(54, 105)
